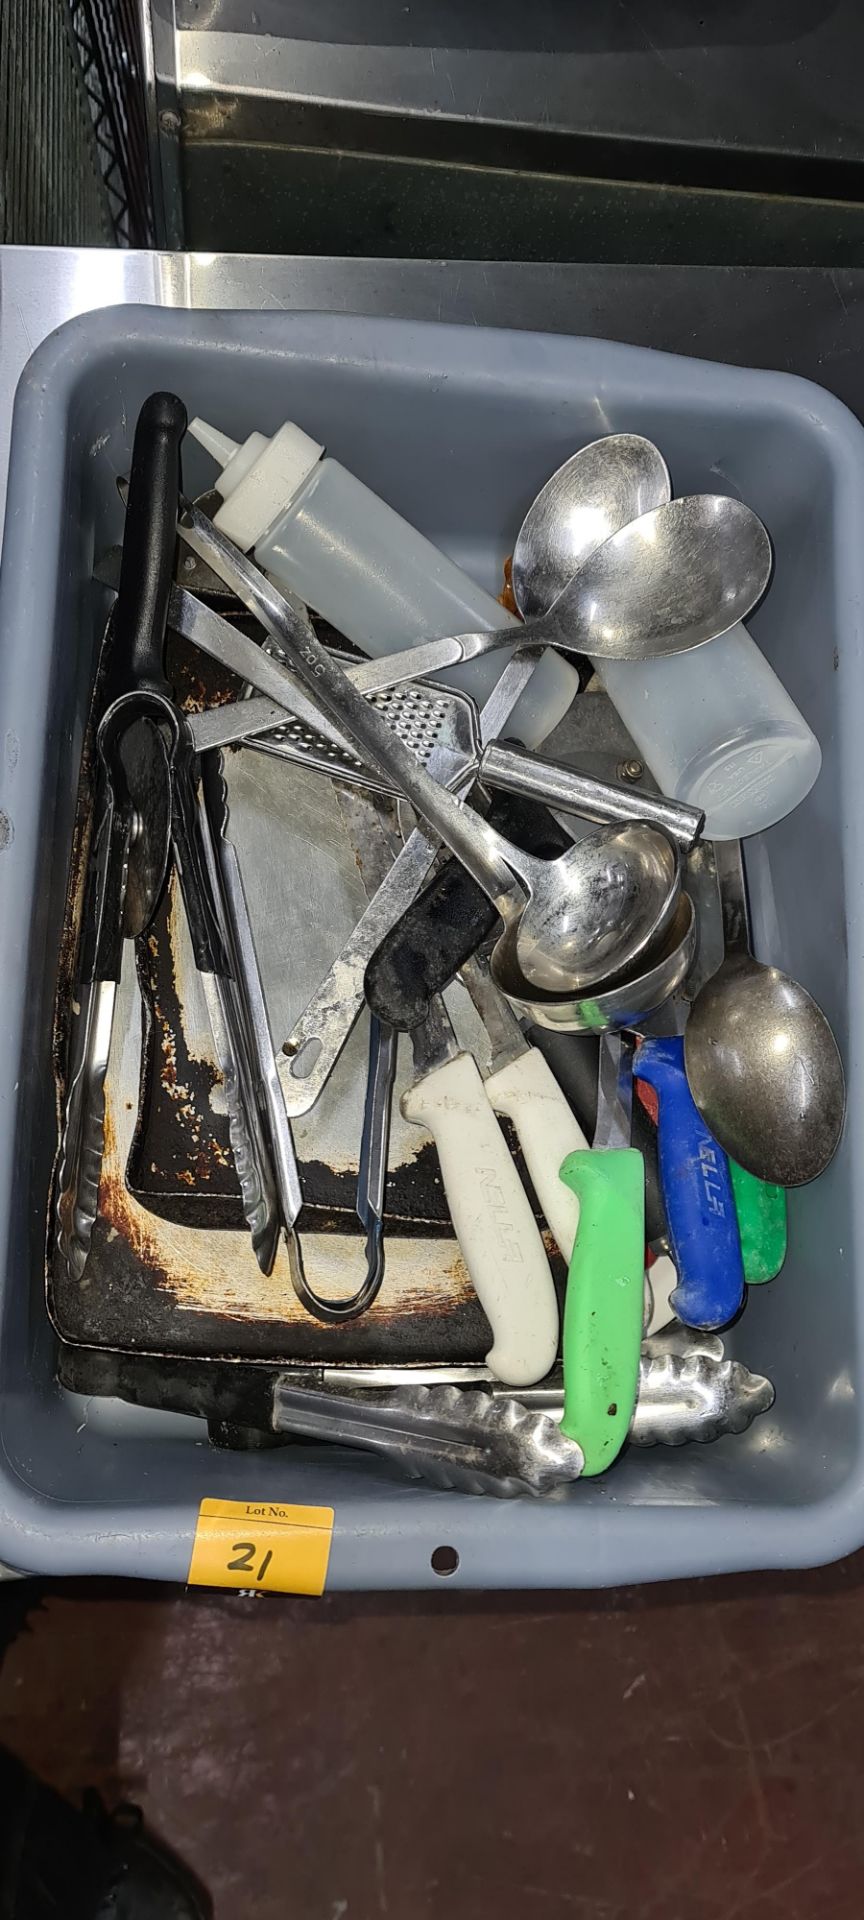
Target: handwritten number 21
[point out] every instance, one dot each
(244, 1563)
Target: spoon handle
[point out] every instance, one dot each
(732, 882)
(432, 656)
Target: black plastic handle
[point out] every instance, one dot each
(149, 541)
(448, 921)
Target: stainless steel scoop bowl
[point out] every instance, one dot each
(611, 894)
(622, 1002)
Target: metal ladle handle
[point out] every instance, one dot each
(515, 770)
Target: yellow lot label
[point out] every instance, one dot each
(261, 1544)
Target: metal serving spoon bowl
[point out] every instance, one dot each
(672, 580)
(765, 1072)
(593, 495)
(763, 1065)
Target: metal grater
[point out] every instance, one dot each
(423, 716)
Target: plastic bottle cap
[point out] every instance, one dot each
(259, 479)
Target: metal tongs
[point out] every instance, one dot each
(146, 814)
(458, 1427)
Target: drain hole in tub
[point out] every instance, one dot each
(304, 1059)
(445, 1560)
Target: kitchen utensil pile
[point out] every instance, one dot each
(659, 1110)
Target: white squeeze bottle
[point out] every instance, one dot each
(315, 528)
(718, 730)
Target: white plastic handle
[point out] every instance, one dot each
(495, 1227)
(547, 1129)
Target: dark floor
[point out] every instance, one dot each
(676, 1753)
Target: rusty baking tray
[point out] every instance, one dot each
(171, 1271)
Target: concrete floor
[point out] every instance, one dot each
(669, 1753)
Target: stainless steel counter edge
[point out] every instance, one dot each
(807, 321)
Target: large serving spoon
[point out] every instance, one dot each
(665, 583)
(599, 490)
(763, 1064)
(577, 919)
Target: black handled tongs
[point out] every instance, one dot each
(146, 815)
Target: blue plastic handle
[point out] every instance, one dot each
(697, 1193)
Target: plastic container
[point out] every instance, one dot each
(105, 1488)
(351, 557)
(718, 729)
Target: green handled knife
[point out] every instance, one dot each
(604, 1303)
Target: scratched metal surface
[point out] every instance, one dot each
(171, 1269)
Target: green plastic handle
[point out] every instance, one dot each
(604, 1303)
(761, 1210)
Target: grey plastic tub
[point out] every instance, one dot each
(457, 427)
